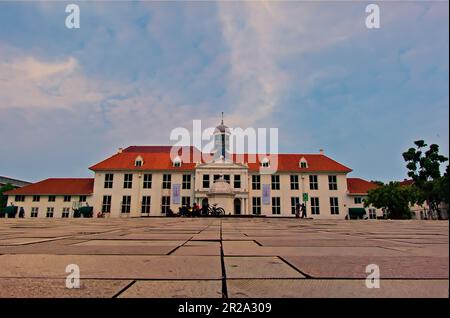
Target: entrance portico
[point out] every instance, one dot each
(228, 187)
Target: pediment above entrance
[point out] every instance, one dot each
(221, 165)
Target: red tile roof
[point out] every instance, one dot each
(57, 186)
(290, 162)
(359, 186)
(158, 149)
(406, 182)
(158, 158)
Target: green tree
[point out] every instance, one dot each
(4, 198)
(393, 198)
(424, 168)
(380, 183)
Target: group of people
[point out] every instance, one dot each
(190, 211)
(300, 208)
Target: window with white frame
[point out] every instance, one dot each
(256, 182)
(177, 162)
(315, 208)
(294, 202)
(332, 182)
(82, 198)
(19, 198)
(36, 198)
(165, 204)
(265, 163)
(185, 201)
(138, 162)
(186, 181)
(167, 181)
(276, 207)
(275, 182)
(67, 198)
(50, 211)
(34, 212)
(334, 205)
(303, 163)
(106, 204)
(147, 181)
(294, 182)
(127, 180)
(237, 181)
(146, 204)
(313, 182)
(109, 177)
(65, 212)
(126, 204)
(372, 213)
(205, 181)
(358, 200)
(256, 205)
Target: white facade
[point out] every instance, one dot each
(62, 206)
(244, 197)
(146, 181)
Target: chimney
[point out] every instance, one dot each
(120, 150)
(321, 151)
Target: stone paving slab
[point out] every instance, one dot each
(262, 257)
(56, 288)
(259, 267)
(355, 266)
(202, 243)
(174, 288)
(23, 241)
(140, 243)
(112, 266)
(309, 251)
(70, 247)
(161, 236)
(198, 250)
(312, 288)
(327, 243)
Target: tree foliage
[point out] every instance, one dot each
(393, 198)
(4, 198)
(377, 182)
(424, 168)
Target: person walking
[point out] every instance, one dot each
(303, 208)
(297, 210)
(21, 212)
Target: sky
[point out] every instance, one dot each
(134, 71)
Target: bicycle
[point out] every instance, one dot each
(214, 210)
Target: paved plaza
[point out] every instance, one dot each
(223, 257)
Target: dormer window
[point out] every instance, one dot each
(138, 161)
(177, 162)
(265, 163)
(303, 163)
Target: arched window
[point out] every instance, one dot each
(177, 162)
(303, 163)
(138, 162)
(265, 162)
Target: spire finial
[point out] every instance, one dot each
(222, 119)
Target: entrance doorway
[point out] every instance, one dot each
(237, 206)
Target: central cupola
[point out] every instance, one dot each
(222, 142)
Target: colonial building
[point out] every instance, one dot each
(149, 180)
(16, 183)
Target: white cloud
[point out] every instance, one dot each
(28, 82)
